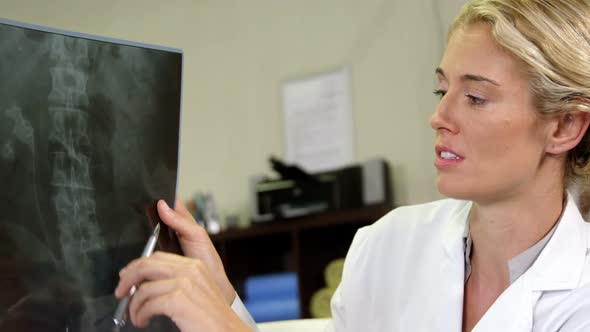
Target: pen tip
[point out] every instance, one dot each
(157, 229)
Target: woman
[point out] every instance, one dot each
(508, 253)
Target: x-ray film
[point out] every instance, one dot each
(89, 133)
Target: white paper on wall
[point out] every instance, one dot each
(318, 121)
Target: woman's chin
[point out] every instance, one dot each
(453, 189)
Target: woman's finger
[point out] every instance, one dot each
(156, 289)
(143, 269)
(181, 222)
(182, 289)
(169, 304)
(195, 243)
(170, 258)
(181, 208)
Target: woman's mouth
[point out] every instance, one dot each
(446, 157)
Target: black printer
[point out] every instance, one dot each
(297, 193)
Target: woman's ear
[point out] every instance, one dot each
(569, 129)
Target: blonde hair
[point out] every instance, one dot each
(552, 39)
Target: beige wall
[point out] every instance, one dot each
(238, 52)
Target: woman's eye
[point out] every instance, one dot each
(440, 93)
(475, 100)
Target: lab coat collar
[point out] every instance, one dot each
(451, 295)
(512, 310)
(456, 230)
(561, 263)
(558, 267)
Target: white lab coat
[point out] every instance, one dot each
(406, 273)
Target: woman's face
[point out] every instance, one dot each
(490, 141)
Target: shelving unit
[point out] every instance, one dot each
(302, 245)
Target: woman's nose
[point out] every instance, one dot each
(442, 118)
(435, 119)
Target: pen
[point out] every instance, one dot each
(119, 317)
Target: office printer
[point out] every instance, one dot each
(297, 193)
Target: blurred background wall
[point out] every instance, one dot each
(237, 54)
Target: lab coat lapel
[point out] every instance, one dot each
(452, 273)
(558, 267)
(512, 311)
(561, 263)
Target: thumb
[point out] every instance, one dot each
(181, 208)
(181, 221)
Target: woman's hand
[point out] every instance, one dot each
(195, 243)
(179, 287)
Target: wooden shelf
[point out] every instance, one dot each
(303, 245)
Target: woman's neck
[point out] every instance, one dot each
(502, 230)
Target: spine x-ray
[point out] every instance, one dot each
(88, 143)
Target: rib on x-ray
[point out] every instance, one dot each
(88, 143)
